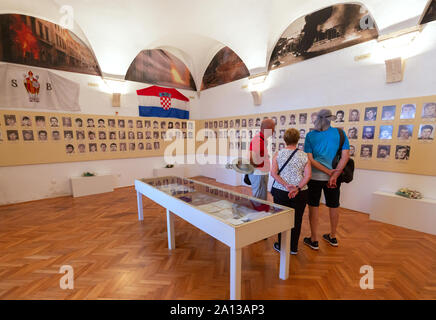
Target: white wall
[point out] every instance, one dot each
(336, 79)
(32, 182)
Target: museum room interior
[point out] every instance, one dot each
(131, 133)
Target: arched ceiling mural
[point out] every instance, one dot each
(37, 42)
(323, 31)
(430, 13)
(162, 68)
(225, 67)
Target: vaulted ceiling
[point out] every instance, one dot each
(195, 30)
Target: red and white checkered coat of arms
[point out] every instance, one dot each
(165, 100)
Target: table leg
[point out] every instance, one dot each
(235, 273)
(170, 230)
(285, 249)
(140, 208)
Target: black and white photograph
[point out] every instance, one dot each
(67, 122)
(388, 113)
(340, 116)
(320, 32)
(383, 151)
(302, 118)
(368, 132)
(402, 152)
(352, 151)
(121, 123)
(371, 114)
(28, 135)
(408, 111)
(40, 121)
(91, 135)
(10, 120)
(354, 115)
(366, 151)
(81, 148)
(56, 135)
(90, 123)
(426, 132)
(80, 135)
(101, 123)
(26, 121)
(68, 135)
(386, 132)
(79, 122)
(69, 149)
(405, 132)
(353, 133)
(429, 110)
(92, 147)
(42, 135)
(292, 120)
(121, 135)
(12, 135)
(54, 122)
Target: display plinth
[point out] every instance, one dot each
(84, 186)
(413, 214)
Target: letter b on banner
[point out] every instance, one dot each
(67, 280)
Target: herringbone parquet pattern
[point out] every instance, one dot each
(115, 256)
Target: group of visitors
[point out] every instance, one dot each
(301, 176)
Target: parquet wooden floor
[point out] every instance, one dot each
(115, 256)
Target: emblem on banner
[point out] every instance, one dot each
(165, 100)
(32, 86)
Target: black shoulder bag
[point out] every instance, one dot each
(348, 172)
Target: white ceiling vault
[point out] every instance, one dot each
(195, 30)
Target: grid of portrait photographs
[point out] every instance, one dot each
(93, 134)
(377, 132)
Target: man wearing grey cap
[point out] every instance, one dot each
(321, 146)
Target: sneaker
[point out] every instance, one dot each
(277, 248)
(332, 241)
(310, 243)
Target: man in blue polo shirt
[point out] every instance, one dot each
(321, 146)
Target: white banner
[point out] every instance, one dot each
(35, 88)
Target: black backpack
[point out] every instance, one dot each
(348, 172)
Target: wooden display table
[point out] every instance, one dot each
(232, 218)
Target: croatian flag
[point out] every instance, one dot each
(162, 102)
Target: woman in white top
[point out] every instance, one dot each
(290, 186)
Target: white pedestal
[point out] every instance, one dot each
(84, 186)
(413, 214)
